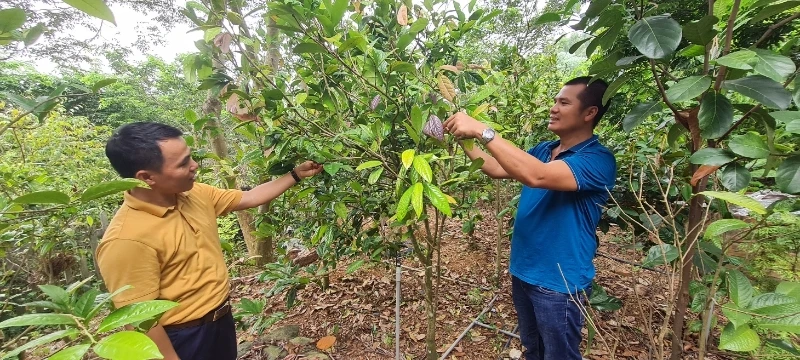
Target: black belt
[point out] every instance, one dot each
(212, 316)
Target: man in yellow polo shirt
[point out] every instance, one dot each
(163, 241)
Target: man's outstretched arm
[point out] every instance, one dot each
(268, 191)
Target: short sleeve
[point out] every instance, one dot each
(129, 262)
(594, 170)
(224, 200)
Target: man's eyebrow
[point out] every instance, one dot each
(186, 159)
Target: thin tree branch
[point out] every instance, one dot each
(774, 27)
(728, 39)
(661, 88)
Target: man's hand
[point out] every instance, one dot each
(308, 169)
(463, 126)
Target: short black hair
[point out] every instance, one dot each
(592, 95)
(134, 147)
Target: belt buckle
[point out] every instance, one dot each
(221, 311)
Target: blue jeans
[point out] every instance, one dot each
(210, 341)
(550, 322)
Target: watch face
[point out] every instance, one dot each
(488, 134)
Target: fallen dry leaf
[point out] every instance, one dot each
(402, 15)
(326, 342)
(514, 354)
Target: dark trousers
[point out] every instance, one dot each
(550, 322)
(210, 341)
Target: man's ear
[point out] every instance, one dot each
(590, 114)
(146, 176)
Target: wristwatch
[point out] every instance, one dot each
(295, 176)
(487, 135)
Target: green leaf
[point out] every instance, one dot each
(715, 116)
(787, 324)
(127, 345)
(739, 289)
(332, 168)
(417, 121)
(615, 86)
(737, 318)
(96, 8)
(354, 266)
(423, 168)
(774, 66)
(737, 199)
(785, 116)
(71, 353)
(660, 254)
(109, 188)
(135, 313)
(83, 307)
(547, 17)
(772, 10)
(402, 66)
(749, 145)
(41, 341)
(735, 177)
(375, 175)
(742, 59)
(337, 10)
(309, 48)
(788, 176)
(437, 198)
(784, 345)
(796, 94)
(762, 89)
(789, 288)
(656, 37)
(793, 127)
(722, 226)
(102, 83)
(369, 164)
(712, 156)
(639, 113)
(11, 19)
(402, 205)
(416, 198)
(741, 338)
(43, 197)
(418, 25)
(701, 32)
(407, 158)
(774, 305)
(33, 34)
(56, 294)
(38, 319)
(628, 60)
(577, 45)
(404, 40)
(688, 88)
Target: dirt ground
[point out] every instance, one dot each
(358, 309)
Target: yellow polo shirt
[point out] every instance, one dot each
(170, 253)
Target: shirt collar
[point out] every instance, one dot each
(578, 147)
(152, 209)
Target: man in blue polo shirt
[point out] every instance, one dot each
(566, 183)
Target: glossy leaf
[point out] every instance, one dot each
(735, 177)
(739, 289)
(96, 8)
(788, 175)
(38, 319)
(749, 145)
(774, 66)
(109, 188)
(102, 83)
(85, 303)
(701, 32)
(127, 345)
(639, 113)
(735, 315)
(368, 164)
(660, 254)
(785, 116)
(43, 197)
(135, 313)
(71, 353)
(722, 226)
(715, 116)
(39, 341)
(309, 48)
(11, 19)
(656, 37)
(408, 158)
(789, 288)
(742, 59)
(547, 17)
(403, 203)
(374, 176)
(688, 88)
(712, 156)
(423, 168)
(737, 199)
(761, 89)
(416, 198)
(793, 127)
(742, 338)
(437, 198)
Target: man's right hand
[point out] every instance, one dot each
(308, 169)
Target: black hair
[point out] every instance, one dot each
(592, 95)
(134, 147)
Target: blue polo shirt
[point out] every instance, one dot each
(554, 233)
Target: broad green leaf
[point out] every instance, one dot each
(774, 66)
(416, 198)
(577, 45)
(735, 177)
(787, 324)
(437, 198)
(408, 158)
(737, 199)
(742, 59)
(402, 205)
(604, 40)
(715, 116)
(354, 266)
(739, 289)
(692, 51)
(423, 168)
(547, 17)
(418, 25)
(775, 9)
(402, 66)
(404, 40)
(796, 94)
(127, 345)
(639, 113)
(309, 48)
(712, 156)
(774, 305)
(741, 338)
(788, 175)
(41, 341)
(701, 32)
(32, 35)
(688, 88)
(337, 10)
(660, 254)
(11, 19)
(96, 8)
(628, 60)
(762, 89)
(71, 353)
(784, 345)
(417, 121)
(341, 210)
(369, 164)
(109, 188)
(83, 307)
(749, 145)
(722, 226)
(38, 319)
(596, 7)
(656, 37)
(47, 305)
(793, 127)
(56, 294)
(135, 313)
(789, 288)
(102, 83)
(375, 175)
(735, 315)
(43, 197)
(785, 116)
(615, 86)
(332, 168)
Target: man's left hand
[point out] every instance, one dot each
(463, 126)
(308, 169)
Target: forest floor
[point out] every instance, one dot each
(358, 309)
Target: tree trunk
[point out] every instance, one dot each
(430, 310)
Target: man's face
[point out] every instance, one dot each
(178, 171)
(567, 115)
